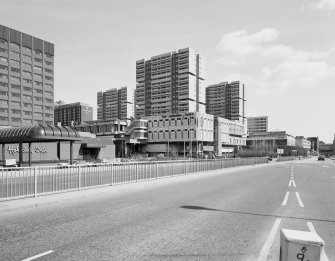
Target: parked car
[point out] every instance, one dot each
(321, 157)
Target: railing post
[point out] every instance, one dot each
(78, 177)
(156, 170)
(35, 183)
(172, 169)
(136, 172)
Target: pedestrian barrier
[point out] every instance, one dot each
(301, 245)
(24, 182)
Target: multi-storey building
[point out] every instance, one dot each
(26, 79)
(258, 124)
(72, 113)
(116, 104)
(170, 83)
(226, 100)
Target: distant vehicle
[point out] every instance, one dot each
(321, 157)
(269, 158)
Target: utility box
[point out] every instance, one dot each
(300, 246)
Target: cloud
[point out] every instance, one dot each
(238, 44)
(271, 66)
(323, 5)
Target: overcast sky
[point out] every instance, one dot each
(283, 50)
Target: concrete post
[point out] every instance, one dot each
(301, 245)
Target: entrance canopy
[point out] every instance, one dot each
(38, 133)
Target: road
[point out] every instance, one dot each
(227, 215)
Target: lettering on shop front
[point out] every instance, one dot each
(11, 150)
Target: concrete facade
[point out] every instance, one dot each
(302, 142)
(272, 141)
(115, 104)
(258, 124)
(26, 79)
(72, 113)
(226, 100)
(170, 83)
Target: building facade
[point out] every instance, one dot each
(226, 100)
(170, 83)
(271, 141)
(115, 104)
(26, 79)
(258, 124)
(72, 113)
(193, 133)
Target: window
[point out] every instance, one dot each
(3, 84)
(38, 114)
(2, 118)
(16, 95)
(25, 73)
(48, 100)
(3, 59)
(27, 65)
(17, 87)
(48, 108)
(16, 119)
(37, 68)
(48, 115)
(38, 77)
(28, 97)
(38, 98)
(3, 102)
(38, 52)
(38, 106)
(15, 103)
(15, 55)
(48, 93)
(27, 112)
(4, 93)
(27, 105)
(3, 41)
(14, 111)
(16, 79)
(38, 83)
(49, 122)
(3, 110)
(26, 57)
(3, 76)
(48, 55)
(27, 121)
(49, 71)
(27, 81)
(48, 63)
(27, 89)
(26, 49)
(3, 67)
(38, 91)
(49, 85)
(48, 78)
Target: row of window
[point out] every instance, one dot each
(16, 56)
(28, 121)
(28, 105)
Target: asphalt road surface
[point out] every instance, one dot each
(230, 215)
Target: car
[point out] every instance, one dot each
(321, 157)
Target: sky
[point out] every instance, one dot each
(283, 50)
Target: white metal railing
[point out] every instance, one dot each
(24, 182)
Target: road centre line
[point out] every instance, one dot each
(269, 241)
(285, 199)
(39, 255)
(291, 182)
(299, 200)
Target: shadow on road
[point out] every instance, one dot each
(255, 214)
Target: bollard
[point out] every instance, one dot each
(300, 246)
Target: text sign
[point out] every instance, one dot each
(11, 150)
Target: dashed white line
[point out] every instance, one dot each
(299, 200)
(285, 199)
(291, 183)
(39, 255)
(269, 241)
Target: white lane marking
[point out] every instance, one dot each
(291, 183)
(285, 199)
(312, 229)
(299, 200)
(39, 255)
(263, 255)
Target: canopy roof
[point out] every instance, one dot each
(38, 133)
